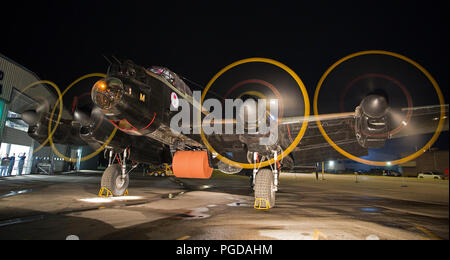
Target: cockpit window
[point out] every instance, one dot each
(172, 78)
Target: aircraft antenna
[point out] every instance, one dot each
(117, 60)
(200, 86)
(107, 59)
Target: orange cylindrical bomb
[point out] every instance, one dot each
(191, 164)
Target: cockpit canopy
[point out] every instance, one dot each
(172, 78)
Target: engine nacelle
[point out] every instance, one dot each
(371, 122)
(65, 133)
(250, 115)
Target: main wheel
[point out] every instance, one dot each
(265, 188)
(113, 181)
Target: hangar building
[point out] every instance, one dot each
(15, 99)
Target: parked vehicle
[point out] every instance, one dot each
(375, 172)
(360, 172)
(430, 175)
(392, 173)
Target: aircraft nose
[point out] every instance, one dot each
(107, 92)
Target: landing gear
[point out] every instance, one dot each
(264, 189)
(265, 183)
(113, 180)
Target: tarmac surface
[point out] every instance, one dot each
(164, 208)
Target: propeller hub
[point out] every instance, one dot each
(249, 113)
(375, 106)
(30, 117)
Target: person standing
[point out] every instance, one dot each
(21, 163)
(12, 160)
(4, 165)
(317, 171)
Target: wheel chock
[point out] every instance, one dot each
(318, 235)
(168, 170)
(259, 202)
(106, 193)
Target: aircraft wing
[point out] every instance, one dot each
(313, 147)
(340, 128)
(424, 120)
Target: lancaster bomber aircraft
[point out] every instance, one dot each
(140, 102)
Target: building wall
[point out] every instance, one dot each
(91, 164)
(3, 114)
(15, 136)
(46, 153)
(436, 161)
(409, 171)
(16, 76)
(16, 79)
(433, 161)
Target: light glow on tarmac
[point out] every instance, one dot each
(110, 199)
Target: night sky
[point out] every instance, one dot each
(62, 40)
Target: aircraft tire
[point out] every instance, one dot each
(264, 187)
(112, 180)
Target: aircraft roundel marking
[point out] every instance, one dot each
(174, 100)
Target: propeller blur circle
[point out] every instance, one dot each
(60, 101)
(52, 145)
(382, 163)
(396, 83)
(301, 133)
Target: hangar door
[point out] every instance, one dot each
(15, 142)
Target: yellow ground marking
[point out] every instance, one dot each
(317, 235)
(428, 233)
(183, 238)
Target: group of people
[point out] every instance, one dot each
(7, 164)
